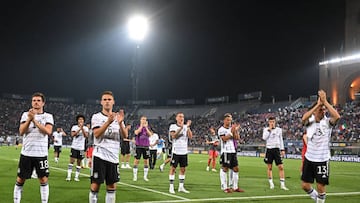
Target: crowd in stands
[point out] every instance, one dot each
(289, 119)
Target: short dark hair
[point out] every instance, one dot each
(107, 92)
(39, 94)
(271, 118)
(80, 116)
(227, 115)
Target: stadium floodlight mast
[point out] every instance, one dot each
(138, 27)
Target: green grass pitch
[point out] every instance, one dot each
(204, 186)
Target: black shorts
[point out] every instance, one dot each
(125, 147)
(271, 155)
(144, 151)
(77, 154)
(57, 149)
(229, 160)
(104, 170)
(316, 170)
(179, 159)
(27, 164)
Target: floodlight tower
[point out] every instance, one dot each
(137, 27)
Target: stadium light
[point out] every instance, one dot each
(138, 27)
(341, 59)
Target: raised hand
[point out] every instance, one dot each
(120, 116)
(31, 114)
(111, 117)
(236, 126)
(322, 96)
(188, 123)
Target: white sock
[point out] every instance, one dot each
(69, 171)
(271, 181)
(318, 200)
(181, 181)
(146, 171)
(44, 192)
(282, 182)
(93, 197)
(135, 171)
(321, 198)
(223, 179)
(313, 193)
(77, 172)
(17, 192)
(235, 180)
(231, 174)
(171, 179)
(110, 196)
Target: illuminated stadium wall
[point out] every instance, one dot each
(341, 80)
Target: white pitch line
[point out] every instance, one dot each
(134, 186)
(182, 199)
(249, 198)
(121, 183)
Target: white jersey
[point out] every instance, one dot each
(57, 138)
(319, 135)
(35, 143)
(78, 141)
(179, 145)
(106, 146)
(153, 138)
(226, 146)
(273, 138)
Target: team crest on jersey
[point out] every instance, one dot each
(96, 175)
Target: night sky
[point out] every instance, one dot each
(194, 49)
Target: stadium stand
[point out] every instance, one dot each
(251, 115)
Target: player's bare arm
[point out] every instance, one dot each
(306, 116)
(333, 113)
(98, 132)
(137, 131)
(227, 137)
(85, 134)
(235, 131)
(25, 125)
(176, 134)
(124, 131)
(189, 132)
(45, 129)
(148, 131)
(62, 132)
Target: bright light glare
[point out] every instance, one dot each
(138, 27)
(342, 59)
